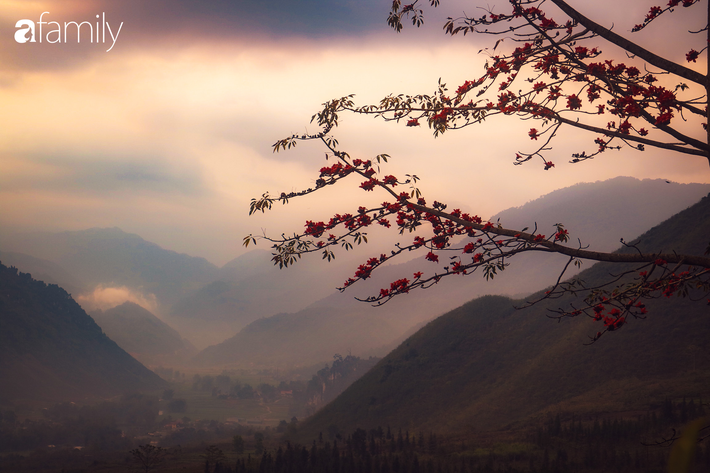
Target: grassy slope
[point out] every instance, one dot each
(486, 365)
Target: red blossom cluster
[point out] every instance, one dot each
(562, 235)
(337, 169)
(656, 11)
(612, 319)
(557, 60)
(364, 270)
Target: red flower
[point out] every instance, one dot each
(664, 119)
(413, 122)
(369, 184)
(390, 180)
(561, 235)
(653, 13)
(432, 257)
(573, 102)
(465, 87)
(539, 87)
(401, 285)
(625, 127)
(548, 165)
(692, 55)
(532, 133)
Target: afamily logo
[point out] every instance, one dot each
(53, 33)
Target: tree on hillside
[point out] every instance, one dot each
(557, 75)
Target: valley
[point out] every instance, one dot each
(92, 377)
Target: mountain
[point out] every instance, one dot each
(50, 349)
(487, 366)
(624, 206)
(208, 304)
(43, 270)
(248, 288)
(629, 207)
(112, 257)
(307, 337)
(599, 214)
(143, 335)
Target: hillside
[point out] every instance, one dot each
(487, 366)
(143, 335)
(307, 337)
(50, 349)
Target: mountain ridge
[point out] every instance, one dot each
(464, 372)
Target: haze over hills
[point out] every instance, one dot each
(112, 258)
(246, 289)
(598, 213)
(304, 338)
(208, 304)
(50, 349)
(465, 371)
(44, 270)
(645, 203)
(143, 335)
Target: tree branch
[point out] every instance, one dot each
(638, 139)
(576, 252)
(631, 47)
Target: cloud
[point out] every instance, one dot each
(175, 24)
(169, 135)
(107, 297)
(97, 175)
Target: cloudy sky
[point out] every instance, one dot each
(168, 134)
